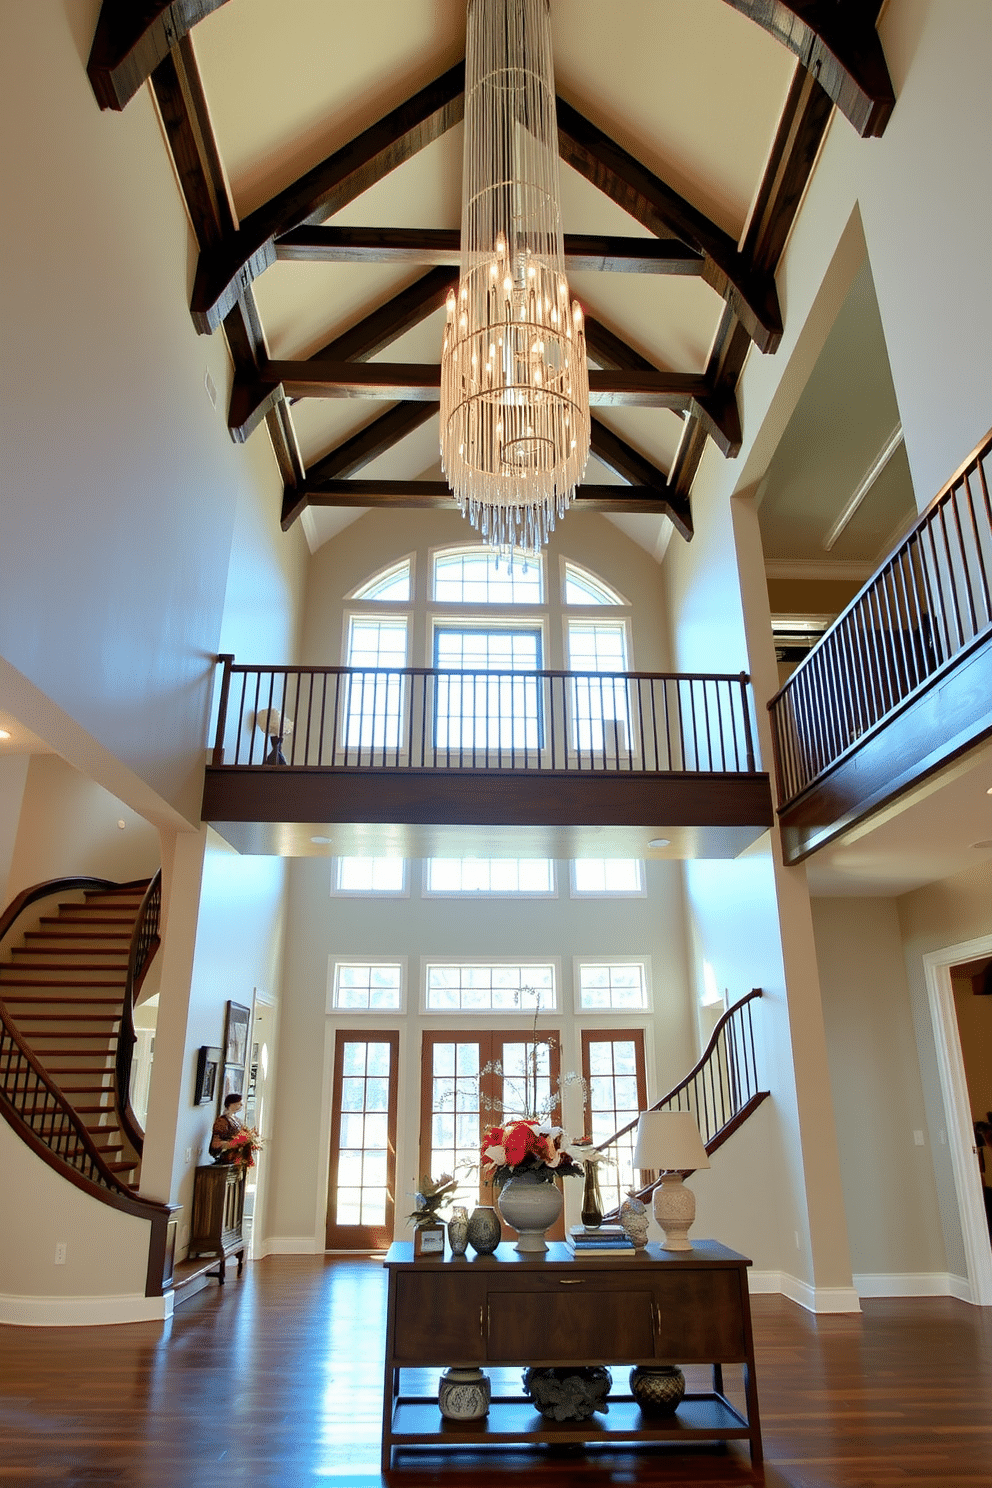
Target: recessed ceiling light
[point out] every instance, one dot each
(4, 733)
(989, 791)
(321, 841)
(659, 842)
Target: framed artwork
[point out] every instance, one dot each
(236, 1034)
(234, 1081)
(208, 1062)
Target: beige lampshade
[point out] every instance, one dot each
(272, 723)
(669, 1141)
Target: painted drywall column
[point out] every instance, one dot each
(13, 777)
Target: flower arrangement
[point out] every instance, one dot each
(529, 1145)
(432, 1194)
(243, 1146)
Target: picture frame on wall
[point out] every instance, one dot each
(234, 1081)
(236, 1034)
(208, 1063)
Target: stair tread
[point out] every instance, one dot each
(47, 1001)
(48, 982)
(64, 934)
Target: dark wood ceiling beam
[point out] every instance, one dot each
(430, 495)
(132, 37)
(379, 329)
(355, 453)
(836, 42)
(639, 472)
(610, 351)
(749, 291)
(183, 109)
(801, 129)
(253, 397)
(225, 270)
(585, 253)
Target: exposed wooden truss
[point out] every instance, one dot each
(842, 63)
(835, 40)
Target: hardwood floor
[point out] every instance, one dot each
(275, 1381)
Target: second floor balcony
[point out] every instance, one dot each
(433, 756)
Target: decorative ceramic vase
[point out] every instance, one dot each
(530, 1206)
(569, 1393)
(458, 1231)
(464, 1394)
(657, 1388)
(592, 1201)
(484, 1232)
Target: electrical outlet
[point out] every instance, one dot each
(918, 1138)
(189, 1154)
(796, 1233)
(60, 1251)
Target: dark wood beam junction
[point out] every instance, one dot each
(435, 495)
(132, 37)
(802, 126)
(382, 326)
(355, 453)
(837, 44)
(585, 253)
(224, 271)
(750, 292)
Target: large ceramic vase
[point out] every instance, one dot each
(530, 1206)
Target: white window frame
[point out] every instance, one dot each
(371, 959)
(410, 559)
(339, 893)
(620, 603)
(634, 1014)
(526, 1009)
(576, 893)
(429, 893)
(451, 549)
(606, 617)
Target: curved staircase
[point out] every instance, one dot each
(69, 977)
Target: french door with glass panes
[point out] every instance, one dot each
(362, 1186)
(474, 1080)
(613, 1068)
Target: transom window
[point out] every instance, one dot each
(498, 988)
(370, 875)
(606, 986)
(369, 986)
(607, 876)
(394, 584)
(583, 588)
(489, 876)
(479, 576)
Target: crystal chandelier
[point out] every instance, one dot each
(514, 383)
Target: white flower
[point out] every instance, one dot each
(496, 1156)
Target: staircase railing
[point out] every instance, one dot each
(928, 604)
(721, 1090)
(144, 943)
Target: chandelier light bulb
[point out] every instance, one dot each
(514, 423)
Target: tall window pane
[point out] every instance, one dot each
(375, 696)
(479, 712)
(363, 1141)
(600, 709)
(613, 1066)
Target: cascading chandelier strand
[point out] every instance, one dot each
(514, 382)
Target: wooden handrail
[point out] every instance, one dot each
(144, 943)
(732, 1093)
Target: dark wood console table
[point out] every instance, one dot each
(218, 1215)
(671, 1307)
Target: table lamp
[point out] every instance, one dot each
(669, 1143)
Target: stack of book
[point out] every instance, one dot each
(607, 1240)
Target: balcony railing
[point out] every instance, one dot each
(926, 607)
(426, 718)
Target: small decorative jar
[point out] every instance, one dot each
(458, 1230)
(428, 1240)
(464, 1394)
(657, 1388)
(570, 1392)
(484, 1229)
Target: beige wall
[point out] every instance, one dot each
(69, 825)
(889, 1185)
(13, 778)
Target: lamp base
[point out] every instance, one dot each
(675, 1210)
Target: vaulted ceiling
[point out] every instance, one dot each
(318, 146)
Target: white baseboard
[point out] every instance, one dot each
(293, 1245)
(814, 1299)
(912, 1284)
(83, 1312)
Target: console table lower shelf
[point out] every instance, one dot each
(514, 1310)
